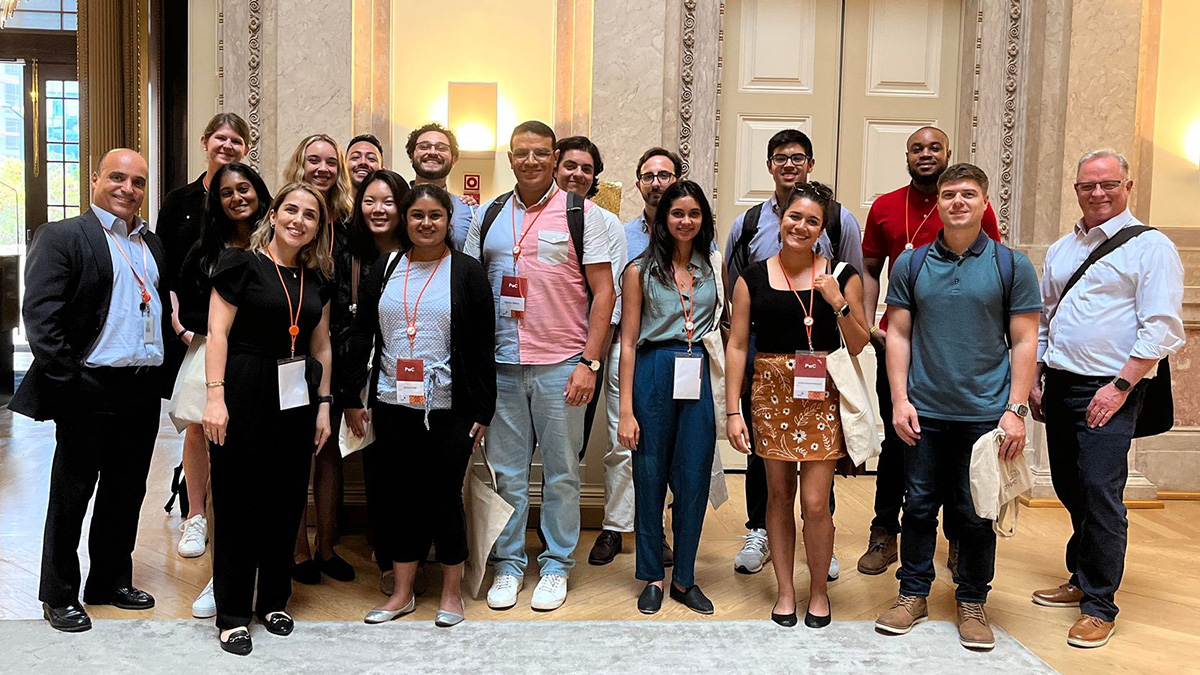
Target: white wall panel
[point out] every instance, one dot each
(904, 47)
(778, 45)
(884, 167)
(754, 183)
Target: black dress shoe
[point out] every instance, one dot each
(813, 621)
(336, 567)
(238, 643)
(668, 554)
(693, 598)
(307, 572)
(650, 601)
(606, 548)
(785, 620)
(68, 619)
(279, 623)
(126, 597)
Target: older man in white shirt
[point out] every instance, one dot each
(1099, 344)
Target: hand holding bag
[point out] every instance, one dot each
(348, 443)
(859, 426)
(997, 484)
(189, 395)
(487, 514)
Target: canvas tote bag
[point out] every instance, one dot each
(714, 343)
(859, 425)
(996, 484)
(487, 514)
(189, 395)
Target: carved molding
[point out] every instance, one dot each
(978, 67)
(254, 116)
(1012, 87)
(687, 78)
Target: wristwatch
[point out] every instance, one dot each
(593, 366)
(844, 311)
(1121, 383)
(1018, 409)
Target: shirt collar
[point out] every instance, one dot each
(645, 223)
(773, 204)
(553, 189)
(108, 220)
(1109, 227)
(976, 248)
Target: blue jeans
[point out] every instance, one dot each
(530, 405)
(1089, 468)
(676, 446)
(938, 472)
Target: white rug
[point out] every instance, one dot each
(503, 647)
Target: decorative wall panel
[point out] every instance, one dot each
(753, 182)
(778, 44)
(904, 47)
(883, 143)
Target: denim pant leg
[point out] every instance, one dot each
(918, 538)
(655, 411)
(975, 536)
(510, 450)
(559, 429)
(691, 474)
(889, 474)
(1066, 413)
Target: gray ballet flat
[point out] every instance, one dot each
(447, 619)
(377, 616)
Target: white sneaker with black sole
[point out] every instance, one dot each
(755, 553)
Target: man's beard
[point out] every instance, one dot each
(435, 175)
(926, 181)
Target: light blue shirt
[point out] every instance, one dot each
(122, 340)
(431, 344)
(637, 236)
(460, 221)
(766, 240)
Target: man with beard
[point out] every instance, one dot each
(755, 237)
(364, 156)
(433, 151)
(901, 220)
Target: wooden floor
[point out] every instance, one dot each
(1158, 629)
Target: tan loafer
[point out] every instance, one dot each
(1065, 595)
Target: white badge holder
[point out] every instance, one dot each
(293, 386)
(687, 377)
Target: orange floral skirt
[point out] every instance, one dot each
(789, 429)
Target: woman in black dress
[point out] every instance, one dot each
(267, 368)
(238, 201)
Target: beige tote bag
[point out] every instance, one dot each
(859, 425)
(189, 395)
(714, 344)
(487, 514)
(997, 484)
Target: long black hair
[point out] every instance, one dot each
(218, 229)
(362, 242)
(417, 192)
(660, 253)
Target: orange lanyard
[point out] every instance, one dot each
(412, 321)
(908, 244)
(688, 312)
(808, 319)
(294, 330)
(517, 245)
(145, 294)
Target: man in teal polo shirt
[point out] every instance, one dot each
(950, 369)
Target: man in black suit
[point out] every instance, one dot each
(94, 317)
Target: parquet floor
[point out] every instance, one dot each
(1158, 630)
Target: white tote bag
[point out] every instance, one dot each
(996, 484)
(189, 396)
(348, 442)
(714, 345)
(487, 514)
(859, 425)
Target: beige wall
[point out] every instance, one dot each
(1176, 176)
(203, 85)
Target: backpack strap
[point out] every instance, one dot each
(739, 258)
(833, 229)
(915, 263)
(575, 228)
(392, 261)
(489, 216)
(1004, 265)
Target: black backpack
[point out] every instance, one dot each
(740, 257)
(574, 226)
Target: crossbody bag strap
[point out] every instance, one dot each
(355, 272)
(1113, 243)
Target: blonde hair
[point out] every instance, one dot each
(315, 254)
(340, 200)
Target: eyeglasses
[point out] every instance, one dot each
(797, 159)
(540, 154)
(1106, 185)
(426, 146)
(663, 177)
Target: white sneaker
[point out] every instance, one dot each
(551, 592)
(755, 553)
(195, 537)
(205, 606)
(504, 590)
(835, 569)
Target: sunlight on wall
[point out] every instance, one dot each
(1176, 181)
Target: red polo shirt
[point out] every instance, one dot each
(888, 231)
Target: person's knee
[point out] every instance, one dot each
(815, 508)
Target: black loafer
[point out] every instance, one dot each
(785, 620)
(336, 567)
(69, 619)
(279, 623)
(650, 600)
(126, 597)
(307, 572)
(693, 598)
(238, 643)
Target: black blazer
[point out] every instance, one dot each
(68, 287)
(472, 341)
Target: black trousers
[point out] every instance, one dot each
(414, 479)
(102, 446)
(259, 491)
(889, 472)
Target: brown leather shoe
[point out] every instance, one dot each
(881, 552)
(1065, 595)
(1090, 631)
(606, 548)
(906, 612)
(974, 632)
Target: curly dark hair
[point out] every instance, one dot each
(410, 147)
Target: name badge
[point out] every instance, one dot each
(293, 386)
(512, 296)
(687, 377)
(410, 381)
(147, 328)
(808, 380)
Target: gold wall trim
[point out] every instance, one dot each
(686, 80)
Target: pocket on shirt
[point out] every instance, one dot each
(552, 247)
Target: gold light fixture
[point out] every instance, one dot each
(7, 7)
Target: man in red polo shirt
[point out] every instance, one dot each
(902, 219)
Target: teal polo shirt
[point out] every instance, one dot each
(959, 369)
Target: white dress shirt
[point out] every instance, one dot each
(617, 252)
(1130, 303)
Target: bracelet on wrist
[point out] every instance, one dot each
(873, 329)
(215, 383)
(733, 413)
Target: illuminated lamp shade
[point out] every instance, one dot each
(471, 114)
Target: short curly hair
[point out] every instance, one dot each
(411, 146)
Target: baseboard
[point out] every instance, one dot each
(1178, 495)
(1045, 503)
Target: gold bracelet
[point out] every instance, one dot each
(215, 383)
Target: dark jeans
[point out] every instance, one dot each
(889, 472)
(678, 438)
(938, 473)
(1089, 468)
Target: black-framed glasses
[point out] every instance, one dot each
(1106, 185)
(664, 177)
(797, 159)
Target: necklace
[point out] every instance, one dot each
(908, 244)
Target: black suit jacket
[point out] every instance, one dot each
(68, 288)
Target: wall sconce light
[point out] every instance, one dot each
(471, 114)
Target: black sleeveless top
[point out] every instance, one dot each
(777, 318)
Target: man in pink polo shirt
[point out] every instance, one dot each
(547, 255)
